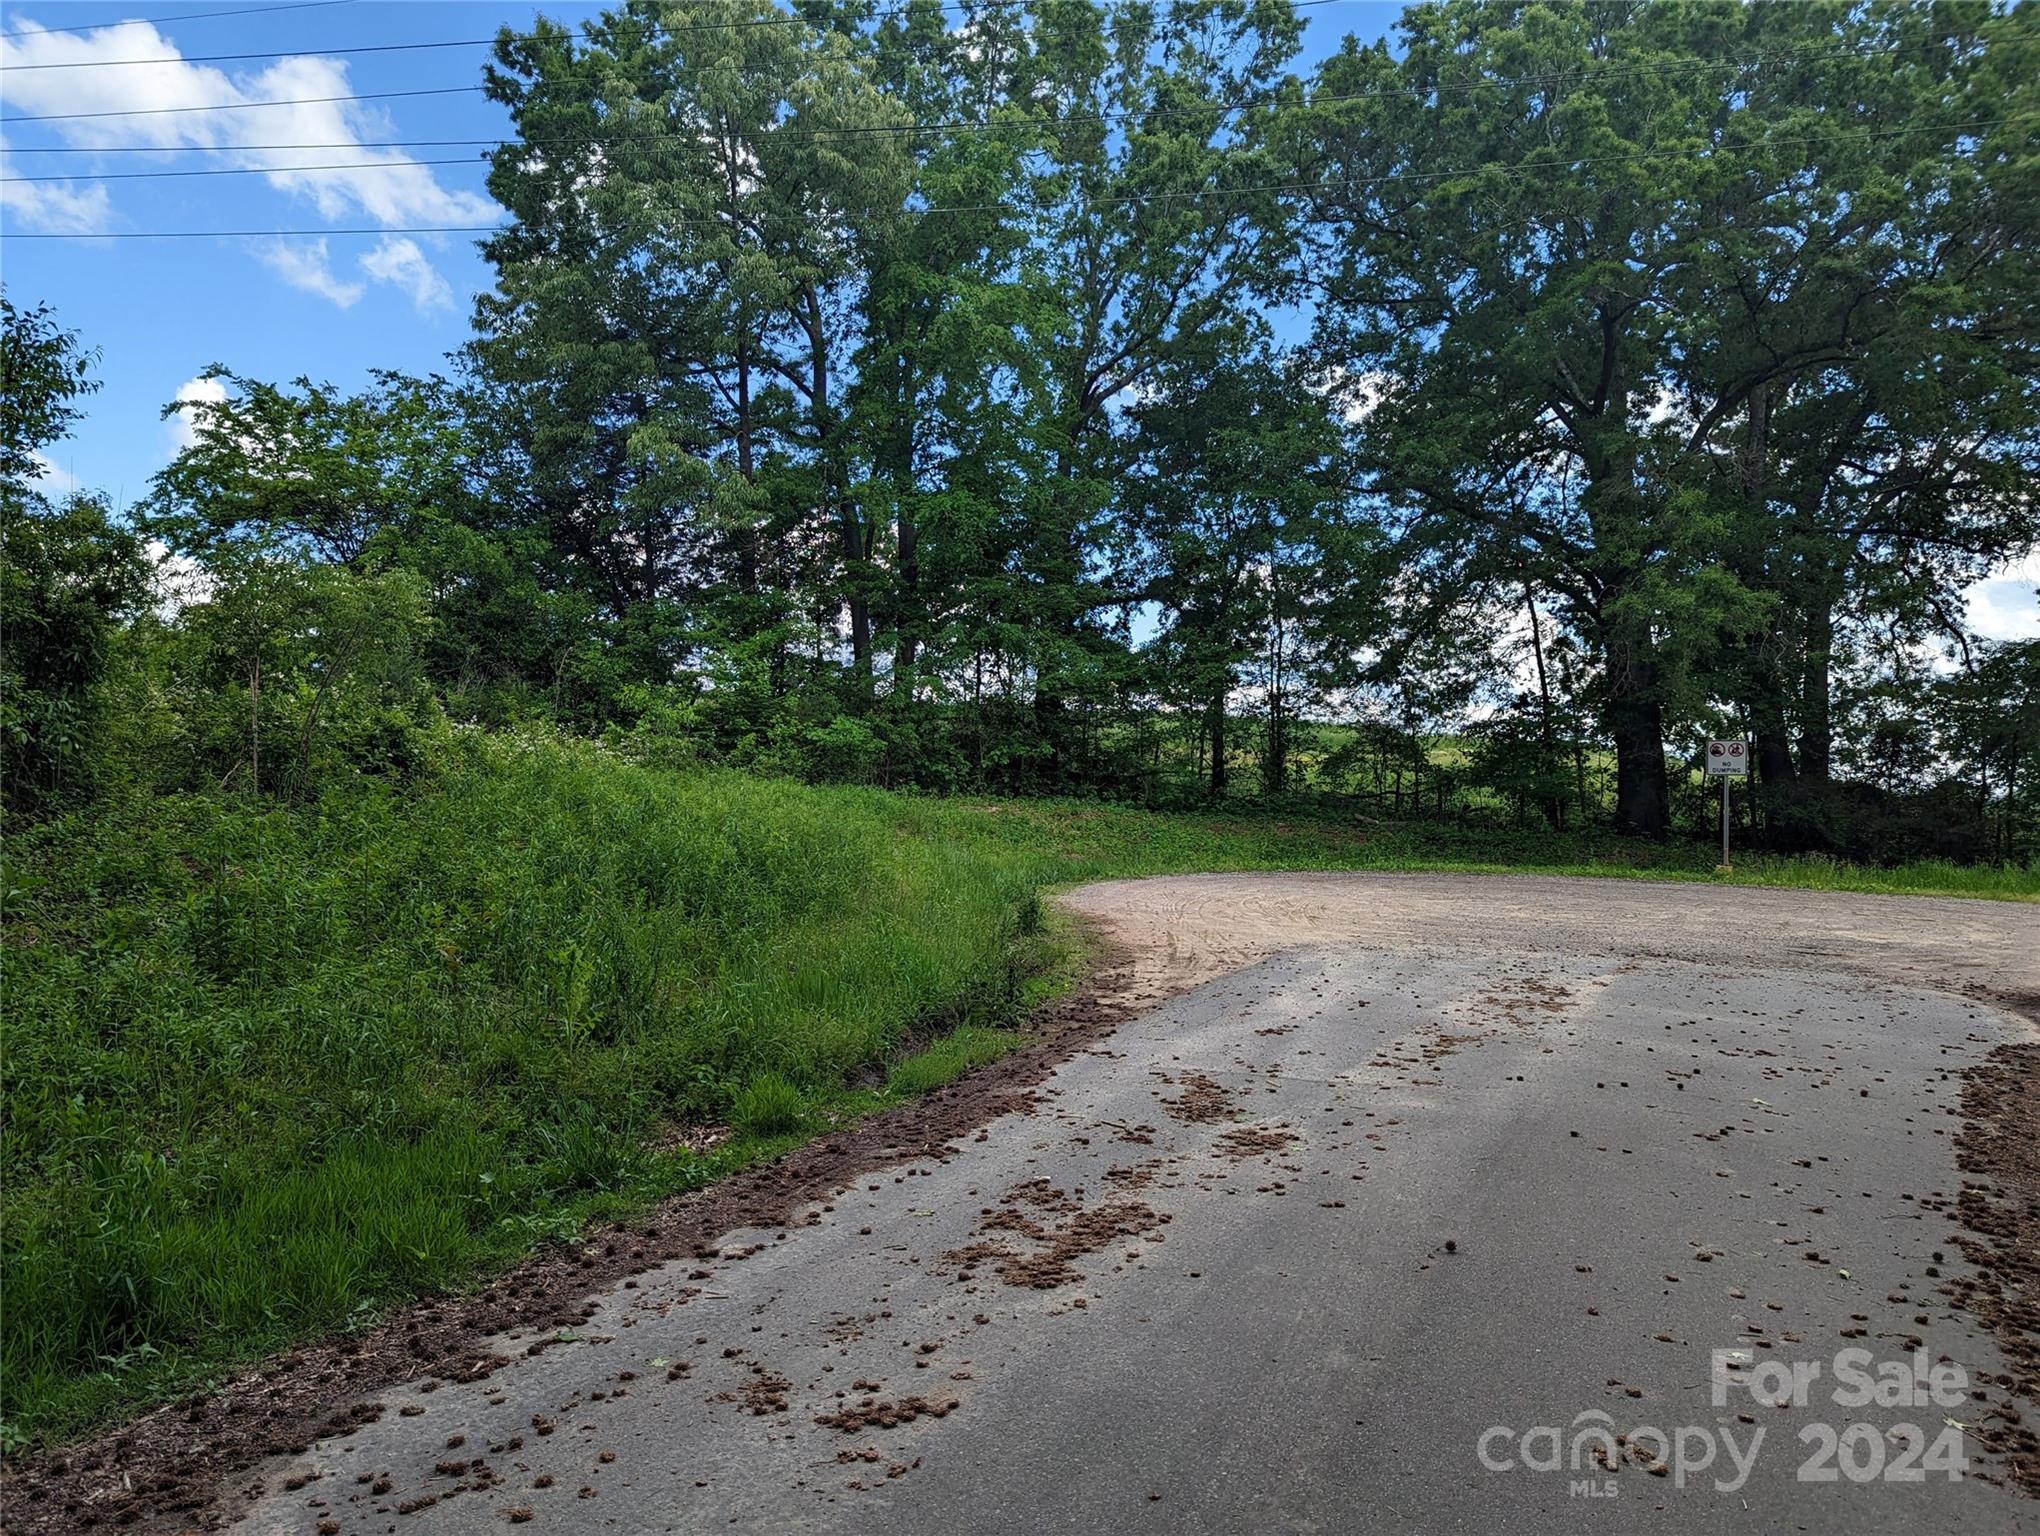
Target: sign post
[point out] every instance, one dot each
(1727, 760)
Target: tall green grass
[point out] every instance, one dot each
(269, 1068)
(266, 1066)
(1064, 842)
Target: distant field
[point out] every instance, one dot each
(1059, 842)
(271, 1069)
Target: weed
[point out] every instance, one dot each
(768, 1106)
(269, 1069)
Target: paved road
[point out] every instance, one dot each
(1404, 1186)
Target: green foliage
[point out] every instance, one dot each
(1662, 341)
(68, 577)
(1649, 396)
(768, 1105)
(269, 1063)
(44, 372)
(349, 478)
(280, 674)
(947, 1059)
(988, 459)
(273, 1064)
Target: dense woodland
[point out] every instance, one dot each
(1056, 398)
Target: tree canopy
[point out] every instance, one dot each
(1089, 398)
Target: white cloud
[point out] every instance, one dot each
(180, 580)
(388, 187)
(1356, 396)
(303, 264)
(57, 207)
(401, 263)
(193, 393)
(51, 476)
(2005, 605)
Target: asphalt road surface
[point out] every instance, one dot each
(1408, 1196)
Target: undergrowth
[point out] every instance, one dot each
(269, 1069)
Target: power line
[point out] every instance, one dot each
(242, 106)
(1125, 199)
(152, 21)
(451, 90)
(250, 170)
(485, 42)
(1749, 61)
(267, 234)
(360, 48)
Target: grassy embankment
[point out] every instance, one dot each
(268, 1069)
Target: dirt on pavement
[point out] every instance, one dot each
(176, 1468)
(2000, 1213)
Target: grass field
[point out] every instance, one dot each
(270, 1069)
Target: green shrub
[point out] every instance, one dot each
(948, 1058)
(270, 1063)
(768, 1106)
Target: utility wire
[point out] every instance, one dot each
(1749, 61)
(450, 90)
(151, 21)
(253, 170)
(267, 234)
(1125, 199)
(241, 106)
(784, 20)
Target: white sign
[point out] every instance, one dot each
(1727, 759)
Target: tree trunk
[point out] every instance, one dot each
(1416, 774)
(1773, 748)
(1218, 764)
(747, 536)
(1275, 754)
(1816, 710)
(1554, 803)
(909, 532)
(1635, 710)
(852, 539)
(255, 723)
(1636, 723)
(1642, 797)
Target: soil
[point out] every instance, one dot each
(1255, 1141)
(1064, 1231)
(174, 1469)
(883, 1413)
(1202, 1102)
(1999, 1145)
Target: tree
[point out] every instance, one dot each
(406, 475)
(1517, 314)
(68, 573)
(44, 373)
(351, 479)
(940, 357)
(674, 316)
(1233, 486)
(285, 666)
(1853, 375)
(1155, 239)
(1608, 256)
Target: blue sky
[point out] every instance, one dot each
(162, 310)
(331, 306)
